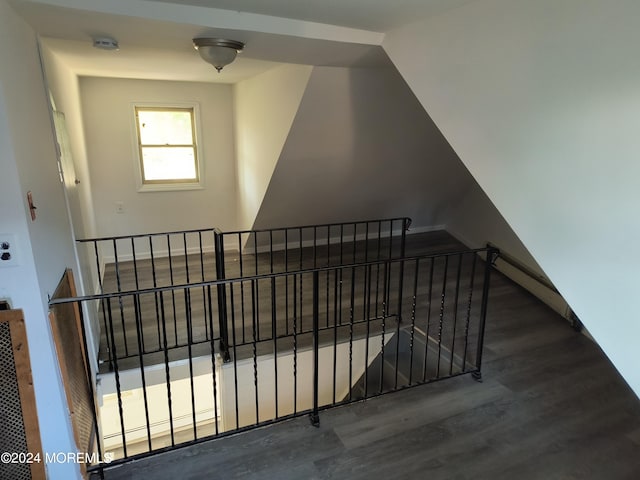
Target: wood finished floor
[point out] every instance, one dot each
(551, 407)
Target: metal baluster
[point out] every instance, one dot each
(136, 306)
(254, 302)
(242, 312)
(274, 335)
(295, 344)
(491, 255)
(442, 306)
(455, 314)
(367, 315)
(166, 367)
(315, 418)
(120, 305)
(116, 373)
(429, 296)
(173, 296)
(222, 294)
(413, 317)
(351, 319)
(235, 354)
(467, 323)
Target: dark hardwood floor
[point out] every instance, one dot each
(551, 407)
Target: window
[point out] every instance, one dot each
(167, 148)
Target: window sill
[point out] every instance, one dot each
(170, 187)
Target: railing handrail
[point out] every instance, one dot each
(320, 225)
(249, 231)
(142, 235)
(251, 278)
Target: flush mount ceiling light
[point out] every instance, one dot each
(217, 51)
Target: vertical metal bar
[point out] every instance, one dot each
(414, 298)
(274, 335)
(455, 313)
(120, 305)
(351, 319)
(222, 295)
(189, 324)
(255, 253)
(136, 306)
(335, 330)
(295, 344)
(242, 312)
(427, 330)
(286, 280)
(135, 273)
(256, 310)
(341, 243)
(355, 230)
(235, 355)
(442, 307)
(102, 305)
(403, 239)
(378, 268)
(271, 250)
(166, 367)
(384, 315)
(315, 418)
(186, 255)
(366, 242)
(367, 316)
(300, 242)
(315, 240)
(116, 373)
(286, 249)
(173, 294)
(213, 357)
(155, 285)
(97, 253)
(491, 255)
(204, 301)
(254, 302)
(387, 286)
(467, 323)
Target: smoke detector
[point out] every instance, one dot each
(106, 43)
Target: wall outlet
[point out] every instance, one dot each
(119, 207)
(8, 250)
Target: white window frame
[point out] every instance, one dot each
(169, 185)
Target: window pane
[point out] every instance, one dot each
(174, 163)
(166, 127)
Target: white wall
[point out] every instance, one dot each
(63, 87)
(28, 163)
(362, 147)
(288, 392)
(107, 106)
(540, 100)
(475, 221)
(265, 107)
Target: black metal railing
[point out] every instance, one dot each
(144, 261)
(298, 342)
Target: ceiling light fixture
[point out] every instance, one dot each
(217, 51)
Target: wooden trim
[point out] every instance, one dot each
(15, 319)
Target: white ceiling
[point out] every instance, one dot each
(374, 15)
(155, 35)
